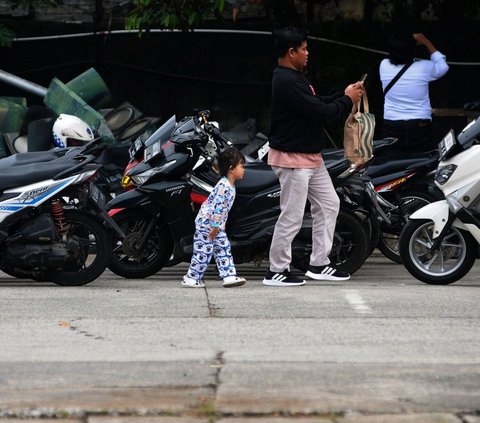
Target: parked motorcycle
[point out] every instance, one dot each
(439, 244)
(113, 158)
(158, 219)
(405, 182)
(41, 237)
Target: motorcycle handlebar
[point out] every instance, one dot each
(217, 134)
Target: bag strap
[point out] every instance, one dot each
(363, 101)
(397, 77)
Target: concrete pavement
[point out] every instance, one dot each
(381, 347)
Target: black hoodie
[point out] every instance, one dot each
(297, 114)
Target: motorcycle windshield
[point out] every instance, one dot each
(469, 133)
(186, 126)
(158, 145)
(163, 133)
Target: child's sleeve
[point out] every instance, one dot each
(221, 205)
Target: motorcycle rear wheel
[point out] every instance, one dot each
(388, 243)
(90, 246)
(350, 248)
(130, 262)
(452, 261)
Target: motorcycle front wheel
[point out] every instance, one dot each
(89, 246)
(350, 249)
(411, 201)
(451, 262)
(131, 261)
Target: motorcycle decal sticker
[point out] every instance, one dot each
(40, 194)
(275, 194)
(390, 186)
(29, 196)
(177, 190)
(9, 208)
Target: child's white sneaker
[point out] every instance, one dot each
(231, 281)
(192, 283)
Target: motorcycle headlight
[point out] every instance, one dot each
(443, 174)
(142, 177)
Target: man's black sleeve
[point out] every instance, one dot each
(311, 107)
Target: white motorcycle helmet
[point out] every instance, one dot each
(69, 131)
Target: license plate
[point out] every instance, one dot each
(152, 151)
(446, 145)
(135, 148)
(263, 150)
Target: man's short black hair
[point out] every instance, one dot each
(401, 47)
(287, 38)
(228, 159)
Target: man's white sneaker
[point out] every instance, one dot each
(231, 281)
(192, 283)
(326, 273)
(284, 278)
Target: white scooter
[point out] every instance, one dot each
(439, 244)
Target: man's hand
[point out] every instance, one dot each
(424, 41)
(355, 91)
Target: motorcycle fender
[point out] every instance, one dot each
(438, 213)
(128, 199)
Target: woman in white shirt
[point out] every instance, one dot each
(407, 110)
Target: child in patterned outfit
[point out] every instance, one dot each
(210, 237)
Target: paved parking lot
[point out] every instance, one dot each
(381, 347)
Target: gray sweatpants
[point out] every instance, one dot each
(298, 185)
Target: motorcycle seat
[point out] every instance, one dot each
(21, 159)
(337, 167)
(17, 176)
(258, 176)
(389, 165)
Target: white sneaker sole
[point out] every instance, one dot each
(187, 285)
(271, 282)
(235, 283)
(320, 277)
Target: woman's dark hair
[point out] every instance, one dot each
(401, 47)
(287, 38)
(228, 159)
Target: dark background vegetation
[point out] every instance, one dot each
(176, 72)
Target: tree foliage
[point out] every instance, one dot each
(172, 14)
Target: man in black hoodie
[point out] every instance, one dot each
(297, 116)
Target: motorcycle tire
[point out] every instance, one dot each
(453, 260)
(127, 261)
(350, 245)
(373, 225)
(388, 243)
(91, 248)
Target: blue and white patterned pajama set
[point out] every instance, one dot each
(213, 214)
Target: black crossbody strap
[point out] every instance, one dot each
(397, 77)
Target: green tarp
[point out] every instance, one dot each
(62, 99)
